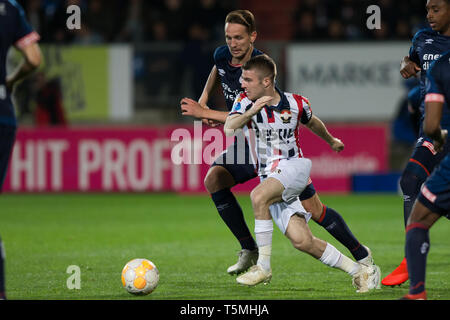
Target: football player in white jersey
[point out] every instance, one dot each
(270, 120)
(225, 172)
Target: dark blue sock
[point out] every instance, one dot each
(410, 183)
(416, 251)
(336, 226)
(231, 213)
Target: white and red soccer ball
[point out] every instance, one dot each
(140, 277)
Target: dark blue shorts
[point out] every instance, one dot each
(7, 138)
(424, 159)
(435, 193)
(236, 159)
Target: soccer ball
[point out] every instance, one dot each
(140, 276)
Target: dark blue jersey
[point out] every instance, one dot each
(14, 30)
(435, 194)
(438, 80)
(427, 47)
(229, 73)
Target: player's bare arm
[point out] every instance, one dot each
(200, 110)
(237, 121)
(432, 126)
(318, 127)
(32, 59)
(408, 68)
(211, 83)
(190, 107)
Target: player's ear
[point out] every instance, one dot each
(253, 37)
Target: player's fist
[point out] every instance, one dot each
(337, 145)
(211, 123)
(191, 107)
(408, 68)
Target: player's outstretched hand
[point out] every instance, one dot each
(337, 145)
(408, 68)
(191, 108)
(439, 144)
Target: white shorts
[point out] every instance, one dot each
(293, 175)
(282, 212)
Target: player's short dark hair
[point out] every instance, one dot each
(263, 63)
(243, 17)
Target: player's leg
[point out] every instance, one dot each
(7, 138)
(218, 182)
(298, 232)
(334, 223)
(433, 202)
(282, 186)
(422, 162)
(263, 196)
(417, 247)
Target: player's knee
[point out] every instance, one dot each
(217, 179)
(410, 183)
(257, 198)
(314, 206)
(260, 203)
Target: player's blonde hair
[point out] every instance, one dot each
(243, 17)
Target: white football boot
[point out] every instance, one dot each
(255, 275)
(367, 260)
(247, 258)
(367, 278)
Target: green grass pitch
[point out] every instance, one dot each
(184, 236)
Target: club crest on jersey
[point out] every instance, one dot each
(286, 115)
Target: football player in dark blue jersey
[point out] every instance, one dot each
(14, 31)
(434, 198)
(240, 34)
(427, 46)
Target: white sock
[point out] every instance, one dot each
(334, 258)
(263, 235)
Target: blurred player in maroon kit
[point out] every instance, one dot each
(14, 31)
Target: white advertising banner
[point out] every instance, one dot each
(348, 82)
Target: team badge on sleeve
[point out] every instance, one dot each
(286, 115)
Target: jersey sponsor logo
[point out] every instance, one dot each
(431, 56)
(428, 58)
(429, 41)
(286, 115)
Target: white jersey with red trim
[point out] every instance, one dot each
(273, 133)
